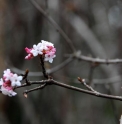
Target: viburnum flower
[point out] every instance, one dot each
(15, 80)
(30, 55)
(49, 57)
(7, 75)
(43, 48)
(8, 82)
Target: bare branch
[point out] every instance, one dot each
(95, 60)
(53, 82)
(26, 74)
(86, 91)
(87, 86)
(36, 88)
(31, 83)
(57, 27)
(43, 67)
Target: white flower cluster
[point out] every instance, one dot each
(43, 48)
(8, 82)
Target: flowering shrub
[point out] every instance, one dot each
(43, 48)
(8, 82)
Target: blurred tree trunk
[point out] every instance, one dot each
(2, 13)
(2, 60)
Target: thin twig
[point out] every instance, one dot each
(26, 74)
(34, 89)
(87, 86)
(57, 27)
(32, 83)
(43, 67)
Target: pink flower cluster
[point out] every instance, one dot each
(8, 82)
(43, 48)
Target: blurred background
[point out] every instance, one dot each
(95, 28)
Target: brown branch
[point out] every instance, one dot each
(57, 27)
(86, 91)
(100, 61)
(31, 83)
(26, 74)
(97, 61)
(53, 82)
(43, 67)
(36, 88)
(87, 86)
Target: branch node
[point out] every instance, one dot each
(26, 74)
(43, 67)
(77, 54)
(81, 80)
(27, 82)
(96, 93)
(25, 94)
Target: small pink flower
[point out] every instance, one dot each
(43, 48)
(5, 91)
(28, 50)
(8, 82)
(49, 57)
(30, 55)
(6, 88)
(7, 85)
